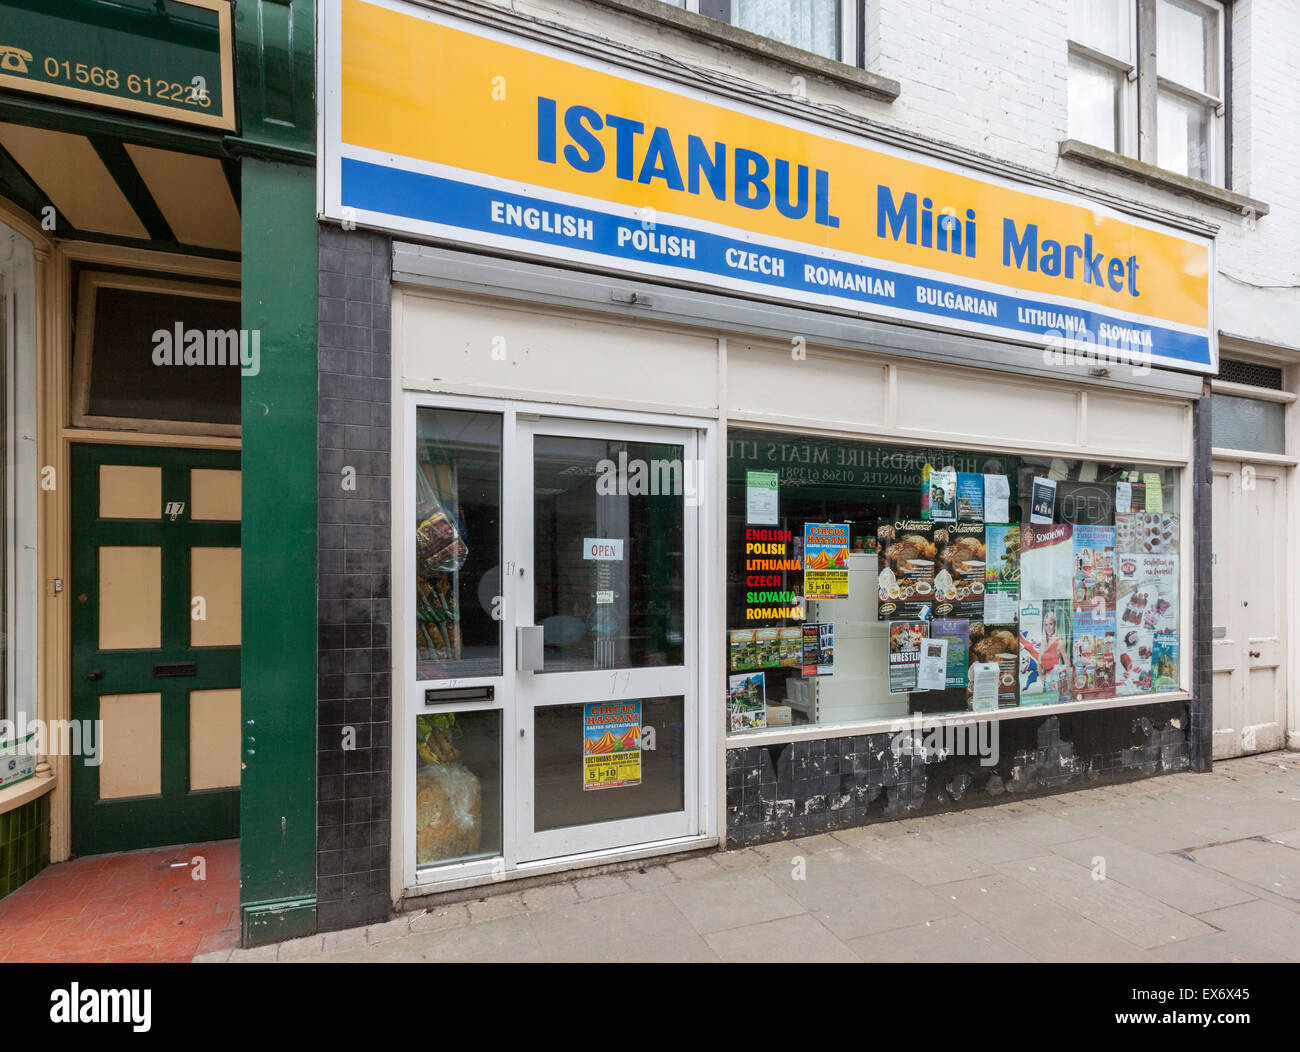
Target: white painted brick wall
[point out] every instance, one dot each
(990, 76)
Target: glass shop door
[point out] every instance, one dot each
(605, 649)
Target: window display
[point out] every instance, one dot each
(946, 581)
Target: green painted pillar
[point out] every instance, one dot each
(278, 798)
(274, 42)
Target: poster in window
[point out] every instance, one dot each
(1164, 662)
(1046, 675)
(905, 638)
(767, 645)
(997, 498)
(1042, 508)
(1094, 654)
(747, 701)
(826, 560)
(997, 644)
(1140, 531)
(791, 646)
(943, 496)
(956, 633)
(743, 655)
(1133, 649)
(959, 570)
(905, 568)
(1046, 562)
(1094, 569)
(970, 496)
(761, 497)
(1001, 574)
(611, 744)
(1147, 592)
(818, 648)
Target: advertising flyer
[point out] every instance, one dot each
(1155, 492)
(1046, 562)
(761, 490)
(1094, 655)
(1094, 569)
(983, 693)
(956, 633)
(818, 648)
(1147, 593)
(826, 560)
(1045, 651)
(611, 744)
(997, 498)
(905, 639)
(1164, 662)
(767, 644)
(905, 561)
(1133, 647)
(1123, 498)
(743, 655)
(1001, 574)
(747, 701)
(1043, 506)
(932, 669)
(970, 497)
(959, 570)
(1140, 531)
(772, 576)
(998, 644)
(792, 646)
(943, 496)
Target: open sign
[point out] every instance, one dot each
(602, 549)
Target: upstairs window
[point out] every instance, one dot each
(1146, 80)
(824, 27)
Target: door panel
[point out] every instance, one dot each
(1251, 562)
(155, 649)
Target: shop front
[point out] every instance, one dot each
(748, 477)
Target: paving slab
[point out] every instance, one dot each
(1166, 878)
(1265, 925)
(641, 926)
(731, 900)
(926, 861)
(853, 895)
(1132, 915)
(1033, 922)
(508, 940)
(1272, 868)
(790, 940)
(948, 939)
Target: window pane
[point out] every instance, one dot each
(813, 25)
(1248, 423)
(1182, 33)
(457, 544)
(570, 791)
(1094, 104)
(608, 536)
(1103, 25)
(457, 786)
(1182, 136)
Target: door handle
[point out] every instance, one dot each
(1254, 653)
(94, 674)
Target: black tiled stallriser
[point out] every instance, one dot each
(354, 564)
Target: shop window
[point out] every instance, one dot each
(157, 355)
(825, 27)
(1169, 89)
(1046, 580)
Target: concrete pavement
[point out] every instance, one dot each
(1187, 867)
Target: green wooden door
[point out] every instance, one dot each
(155, 596)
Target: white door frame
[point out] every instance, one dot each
(408, 693)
